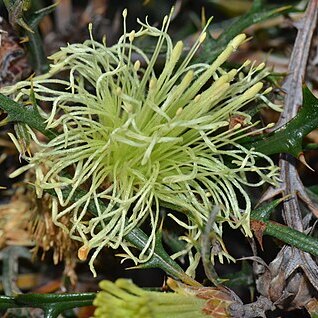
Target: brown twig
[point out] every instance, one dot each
(290, 180)
(297, 64)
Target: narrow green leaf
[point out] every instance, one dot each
(244, 277)
(28, 115)
(37, 54)
(263, 212)
(38, 15)
(292, 237)
(289, 138)
(52, 304)
(258, 13)
(7, 302)
(284, 233)
(310, 146)
(313, 189)
(171, 239)
(55, 304)
(160, 258)
(35, 44)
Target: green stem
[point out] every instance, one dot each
(7, 302)
(284, 233)
(160, 258)
(52, 304)
(311, 146)
(292, 237)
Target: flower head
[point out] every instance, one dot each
(123, 299)
(136, 138)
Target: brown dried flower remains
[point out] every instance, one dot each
(27, 221)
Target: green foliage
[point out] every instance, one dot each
(52, 304)
(289, 138)
(28, 115)
(259, 12)
(244, 277)
(284, 233)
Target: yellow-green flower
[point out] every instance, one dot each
(123, 299)
(135, 138)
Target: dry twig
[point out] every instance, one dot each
(291, 259)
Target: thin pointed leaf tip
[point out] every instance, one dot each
(135, 138)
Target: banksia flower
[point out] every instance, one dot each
(136, 138)
(123, 299)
